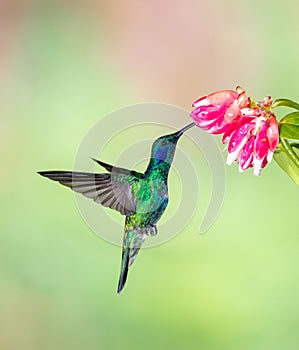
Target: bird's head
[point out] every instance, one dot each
(164, 147)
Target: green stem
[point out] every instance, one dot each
(287, 148)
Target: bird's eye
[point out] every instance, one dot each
(164, 142)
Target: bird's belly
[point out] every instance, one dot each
(149, 214)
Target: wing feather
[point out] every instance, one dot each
(112, 190)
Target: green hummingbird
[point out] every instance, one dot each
(142, 198)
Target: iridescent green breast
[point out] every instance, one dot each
(151, 201)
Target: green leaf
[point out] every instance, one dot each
(289, 126)
(283, 159)
(284, 102)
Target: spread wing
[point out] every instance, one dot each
(113, 190)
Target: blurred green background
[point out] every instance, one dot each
(64, 64)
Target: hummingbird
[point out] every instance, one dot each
(141, 197)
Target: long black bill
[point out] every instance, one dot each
(180, 132)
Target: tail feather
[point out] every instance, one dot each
(128, 257)
(133, 240)
(124, 270)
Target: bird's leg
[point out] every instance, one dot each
(151, 230)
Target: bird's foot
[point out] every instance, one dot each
(151, 230)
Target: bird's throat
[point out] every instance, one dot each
(157, 169)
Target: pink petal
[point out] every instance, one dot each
(273, 133)
(234, 155)
(261, 144)
(232, 112)
(222, 98)
(246, 156)
(201, 102)
(245, 126)
(219, 109)
(229, 129)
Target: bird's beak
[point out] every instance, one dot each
(180, 132)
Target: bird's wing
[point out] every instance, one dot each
(116, 170)
(112, 190)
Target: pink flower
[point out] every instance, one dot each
(249, 128)
(238, 138)
(220, 110)
(254, 140)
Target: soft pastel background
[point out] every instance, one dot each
(66, 63)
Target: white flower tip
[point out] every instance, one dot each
(269, 156)
(202, 102)
(257, 166)
(256, 171)
(231, 157)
